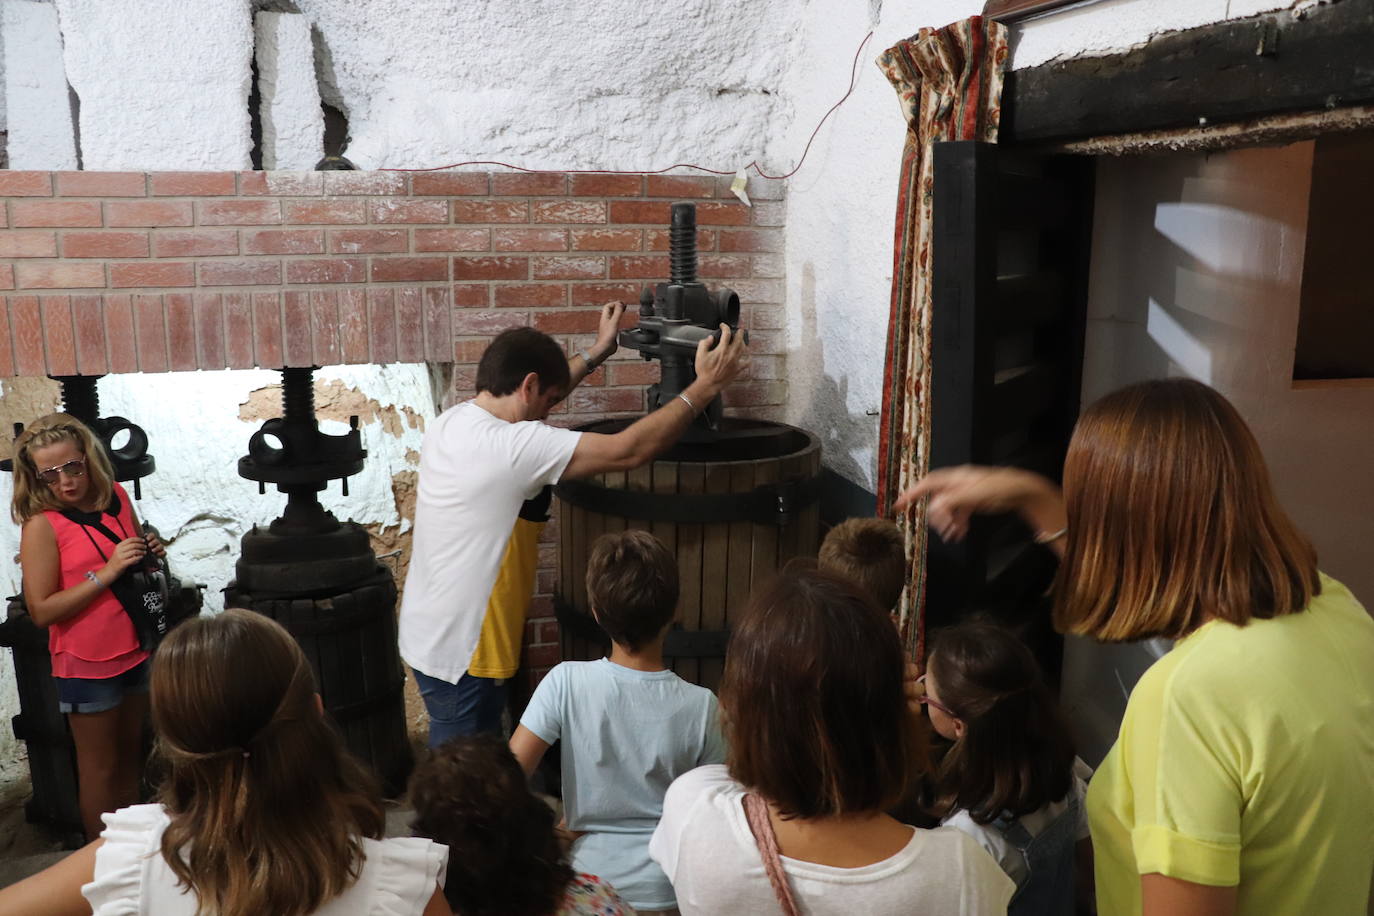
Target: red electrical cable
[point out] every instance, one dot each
(853, 78)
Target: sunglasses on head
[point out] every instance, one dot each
(74, 468)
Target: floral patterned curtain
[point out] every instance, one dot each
(949, 82)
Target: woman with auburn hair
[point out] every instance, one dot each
(1242, 780)
(261, 810)
(821, 743)
(64, 490)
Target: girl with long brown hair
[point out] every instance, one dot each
(261, 811)
(63, 485)
(1242, 779)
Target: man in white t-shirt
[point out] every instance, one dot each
(481, 461)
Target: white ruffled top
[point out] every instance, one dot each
(131, 877)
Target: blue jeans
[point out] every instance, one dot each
(470, 707)
(91, 695)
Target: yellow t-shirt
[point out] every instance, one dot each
(503, 625)
(1246, 757)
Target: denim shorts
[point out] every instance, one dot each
(88, 695)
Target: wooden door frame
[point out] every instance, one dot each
(1232, 71)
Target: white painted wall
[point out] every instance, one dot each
(289, 105)
(162, 85)
(38, 111)
(841, 207)
(615, 84)
(1197, 272)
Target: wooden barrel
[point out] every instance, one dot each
(732, 510)
(43, 727)
(349, 639)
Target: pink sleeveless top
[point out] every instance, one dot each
(99, 641)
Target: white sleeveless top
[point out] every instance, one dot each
(398, 876)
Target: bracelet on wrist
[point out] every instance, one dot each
(688, 401)
(91, 576)
(592, 364)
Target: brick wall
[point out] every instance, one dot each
(153, 272)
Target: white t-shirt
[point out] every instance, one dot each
(475, 472)
(626, 736)
(995, 842)
(398, 876)
(704, 845)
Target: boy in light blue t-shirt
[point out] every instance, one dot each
(629, 726)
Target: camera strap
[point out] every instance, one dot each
(142, 595)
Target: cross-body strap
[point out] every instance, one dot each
(756, 812)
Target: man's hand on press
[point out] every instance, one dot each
(717, 366)
(608, 331)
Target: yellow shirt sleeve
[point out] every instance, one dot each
(1179, 750)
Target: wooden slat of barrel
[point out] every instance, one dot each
(639, 480)
(739, 560)
(665, 481)
(376, 677)
(691, 478)
(789, 536)
(595, 526)
(763, 560)
(329, 664)
(715, 572)
(809, 524)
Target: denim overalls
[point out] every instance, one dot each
(1048, 889)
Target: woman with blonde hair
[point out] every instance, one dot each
(1242, 780)
(822, 743)
(64, 495)
(262, 811)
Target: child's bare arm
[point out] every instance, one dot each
(528, 749)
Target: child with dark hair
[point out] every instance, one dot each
(505, 855)
(628, 725)
(1010, 780)
(870, 551)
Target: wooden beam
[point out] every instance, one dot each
(1230, 71)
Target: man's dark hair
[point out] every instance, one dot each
(504, 857)
(514, 354)
(632, 585)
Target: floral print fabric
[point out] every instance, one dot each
(588, 895)
(949, 85)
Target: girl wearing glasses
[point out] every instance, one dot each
(1010, 780)
(60, 471)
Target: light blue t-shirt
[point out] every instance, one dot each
(626, 736)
